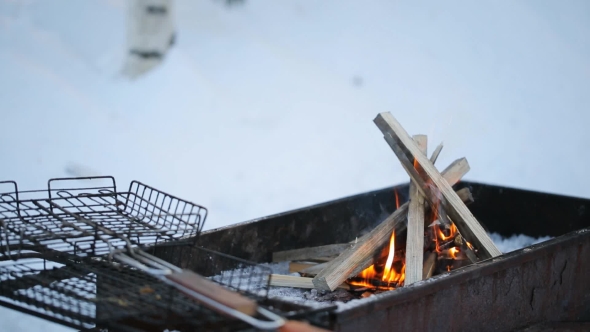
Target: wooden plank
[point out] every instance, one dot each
(455, 171)
(415, 233)
(433, 186)
(280, 280)
(435, 154)
(301, 254)
(312, 271)
(323, 259)
(214, 291)
(352, 261)
(463, 193)
(461, 243)
(429, 265)
(360, 256)
(299, 266)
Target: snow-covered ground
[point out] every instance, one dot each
(268, 106)
(516, 241)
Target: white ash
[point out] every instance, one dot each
(515, 242)
(295, 295)
(242, 279)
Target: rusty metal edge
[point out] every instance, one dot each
(430, 286)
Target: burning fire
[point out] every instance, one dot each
(385, 277)
(387, 274)
(390, 274)
(453, 232)
(453, 252)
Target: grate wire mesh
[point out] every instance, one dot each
(55, 262)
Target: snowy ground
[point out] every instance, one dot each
(256, 110)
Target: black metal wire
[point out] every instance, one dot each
(54, 260)
(86, 221)
(100, 294)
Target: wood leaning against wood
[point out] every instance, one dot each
(429, 265)
(432, 184)
(360, 256)
(310, 253)
(430, 190)
(415, 233)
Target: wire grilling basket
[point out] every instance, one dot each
(77, 256)
(62, 220)
(116, 296)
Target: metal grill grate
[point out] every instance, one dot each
(100, 293)
(57, 250)
(83, 221)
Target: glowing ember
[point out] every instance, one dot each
(453, 252)
(368, 273)
(453, 232)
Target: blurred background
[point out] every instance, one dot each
(256, 107)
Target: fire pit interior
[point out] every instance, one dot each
(368, 254)
(434, 232)
(546, 282)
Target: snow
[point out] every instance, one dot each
(255, 110)
(243, 280)
(515, 242)
(255, 283)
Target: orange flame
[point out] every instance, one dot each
(389, 275)
(453, 252)
(436, 231)
(453, 232)
(440, 235)
(368, 273)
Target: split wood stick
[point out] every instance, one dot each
(312, 271)
(415, 233)
(469, 252)
(463, 193)
(433, 186)
(300, 266)
(429, 265)
(280, 280)
(310, 253)
(461, 243)
(456, 170)
(323, 259)
(435, 154)
(360, 256)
